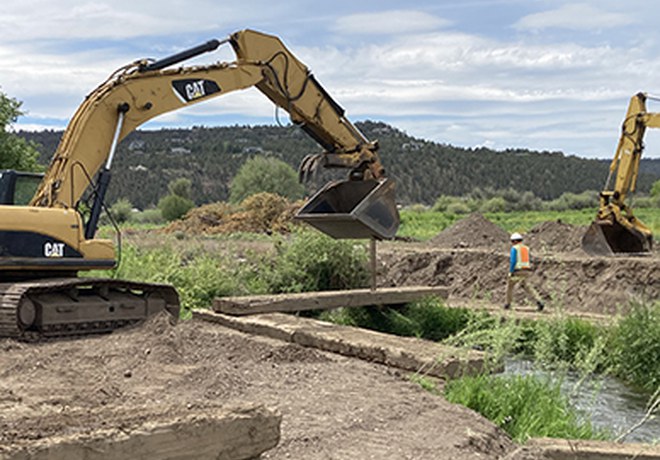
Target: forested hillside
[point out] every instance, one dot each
(210, 157)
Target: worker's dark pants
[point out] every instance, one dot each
(520, 277)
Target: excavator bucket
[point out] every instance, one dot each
(353, 209)
(607, 238)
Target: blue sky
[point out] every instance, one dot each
(537, 74)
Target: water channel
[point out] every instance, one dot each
(608, 403)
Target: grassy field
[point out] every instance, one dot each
(423, 225)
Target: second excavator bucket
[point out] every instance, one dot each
(607, 238)
(354, 209)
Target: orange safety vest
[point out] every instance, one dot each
(522, 257)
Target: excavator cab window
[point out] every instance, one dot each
(18, 188)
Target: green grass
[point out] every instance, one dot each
(634, 347)
(427, 318)
(523, 406)
(423, 225)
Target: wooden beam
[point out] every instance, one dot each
(326, 300)
(239, 433)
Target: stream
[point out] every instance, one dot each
(609, 403)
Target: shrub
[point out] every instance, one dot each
(121, 211)
(148, 216)
(458, 207)
(634, 348)
(173, 207)
(569, 343)
(312, 261)
(180, 187)
(198, 278)
(265, 174)
(495, 204)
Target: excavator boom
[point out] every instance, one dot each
(616, 230)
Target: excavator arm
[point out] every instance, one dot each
(143, 90)
(616, 229)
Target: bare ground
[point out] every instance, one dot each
(332, 407)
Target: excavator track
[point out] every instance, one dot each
(62, 307)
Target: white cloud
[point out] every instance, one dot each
(389, 23)
(574, 16)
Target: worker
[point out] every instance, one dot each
(520, 268)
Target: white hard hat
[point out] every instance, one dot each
(516, 237)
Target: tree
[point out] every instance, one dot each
(180, 187)
(15, 152)
(177, 203)
(174, 207)
(655, 189)
(265, 174)
(121, 210)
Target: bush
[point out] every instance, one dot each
(198, 278)
(459, 207)
(495, 204)
(569, 343)
(312, 261)
(173, 207)
(122, 210)
(265, 174)
(148, 216)
(180, 187)
(584, 200)
(634, 348)
(524, 406)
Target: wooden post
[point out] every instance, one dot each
(372, 247)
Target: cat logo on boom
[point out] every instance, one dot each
(190, 89)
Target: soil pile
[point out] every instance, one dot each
(331, 406)
(555, 236)
(259, 213)
(475, 231)
(471, 258)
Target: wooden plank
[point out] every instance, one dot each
(204, 434)
(407, 353)
(326, 300)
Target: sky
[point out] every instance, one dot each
(537, 74)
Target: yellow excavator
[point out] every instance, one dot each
(616, 230)
(45, 242)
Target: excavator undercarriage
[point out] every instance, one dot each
(60, 307)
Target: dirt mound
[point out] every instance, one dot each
(475, 231)
(555, 236)
(331, 406)
(260, 213)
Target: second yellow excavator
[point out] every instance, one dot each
(616, 230)
(46, 242)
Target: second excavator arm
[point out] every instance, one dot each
(616, 229)
(143, 90)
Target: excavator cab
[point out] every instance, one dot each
(354, 209)
(18, 188)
